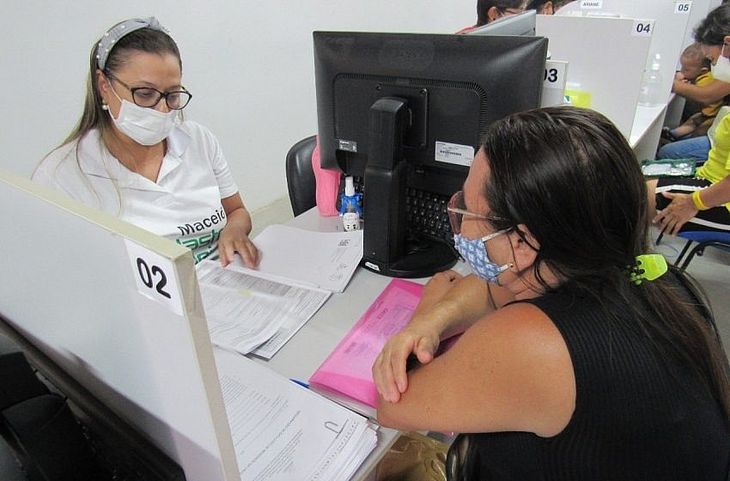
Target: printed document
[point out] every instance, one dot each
(250, 313)
(282, 431)
(325, 260)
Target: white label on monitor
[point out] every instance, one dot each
(642, 28)
(683, 8)
(454, 153)
(347, 145)
(597, 4)
(155, 276)
(554, 75)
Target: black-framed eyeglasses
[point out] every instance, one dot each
(149, 97)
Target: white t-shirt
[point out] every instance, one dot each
(185, 202)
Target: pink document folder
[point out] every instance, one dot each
(347, 370)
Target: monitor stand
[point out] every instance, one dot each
(387, 248)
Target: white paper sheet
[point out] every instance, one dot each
(282, 431)
(247, 313)
(325, 260)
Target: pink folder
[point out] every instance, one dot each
(347, 370)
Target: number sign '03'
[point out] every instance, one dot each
(154, 276)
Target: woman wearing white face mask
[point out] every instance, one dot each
(132, 154)
(701, 202)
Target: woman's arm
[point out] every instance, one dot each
(234, 237)
(706, 94)
(450, 304)
(511, 371)
(682, 208)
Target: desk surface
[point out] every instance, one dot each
(304, 352)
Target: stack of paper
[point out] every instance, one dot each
(282, 431)
(251, 313)
(258, 310)
(348, 369)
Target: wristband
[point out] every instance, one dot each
(697, 201)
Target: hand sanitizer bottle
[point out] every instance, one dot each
(350, 206)
(651, 94)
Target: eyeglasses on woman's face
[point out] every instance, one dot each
(456, 210)
(149, 97)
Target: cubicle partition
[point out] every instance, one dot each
(663, 21)
(119, 310)
(606, 60)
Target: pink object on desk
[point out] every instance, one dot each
(347, 370)
(327, 184)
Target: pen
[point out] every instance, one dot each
(301, 383)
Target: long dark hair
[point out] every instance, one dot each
(714, 27)
(570, 176)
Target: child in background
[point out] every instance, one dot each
(696, 70)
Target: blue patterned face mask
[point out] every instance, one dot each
(474, 251)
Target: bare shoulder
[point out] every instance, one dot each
(524, 353)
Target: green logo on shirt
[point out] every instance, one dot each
(202, 246)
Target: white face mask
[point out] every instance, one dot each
(144, 125)
(721, 69)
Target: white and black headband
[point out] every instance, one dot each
(112, 36)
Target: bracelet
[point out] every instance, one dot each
(697, 201)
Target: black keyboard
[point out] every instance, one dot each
(427, 216)
(425, 212)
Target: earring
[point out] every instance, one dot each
(104, 107)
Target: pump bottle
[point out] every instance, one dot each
(350, 206)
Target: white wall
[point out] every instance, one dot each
(248, 64)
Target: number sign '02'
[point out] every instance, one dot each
(154, 276)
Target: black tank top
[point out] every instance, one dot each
(637, 416)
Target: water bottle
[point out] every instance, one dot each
(651, 93)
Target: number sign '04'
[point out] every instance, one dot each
(154, 276)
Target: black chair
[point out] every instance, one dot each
(300, 175)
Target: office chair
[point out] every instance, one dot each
(300, 176)
(705, 238)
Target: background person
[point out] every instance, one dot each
(701, 202)
(710, 34)
(695, 69)
(569, 367)
(490, 10)
(132, 155)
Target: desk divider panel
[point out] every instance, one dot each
(667, 39)
(70, 286)
(606, 57)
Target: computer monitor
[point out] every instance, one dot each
(522, 24)
(405, 112)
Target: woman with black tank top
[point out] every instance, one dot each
(573, 364)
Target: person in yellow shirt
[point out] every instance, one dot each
(695, 68)
(701, 202)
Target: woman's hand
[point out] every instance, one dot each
(421, 337)
(234, 237)
(676, 214)
(389, 368)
